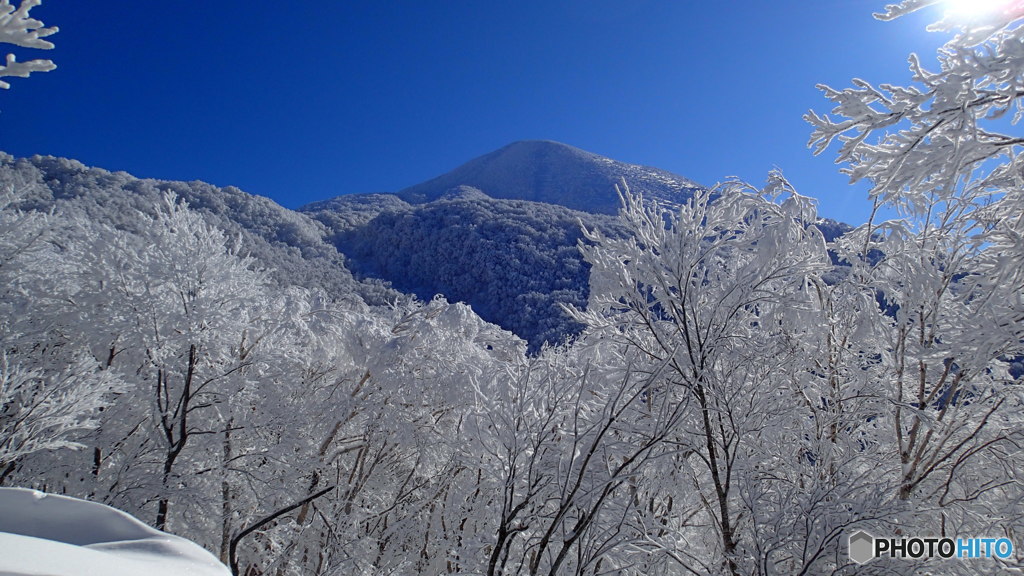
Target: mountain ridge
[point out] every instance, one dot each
(514, 260)
(549, 172)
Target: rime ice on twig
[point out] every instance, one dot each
(16, 27)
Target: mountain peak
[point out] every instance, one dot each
(554, 173)
(542, 148)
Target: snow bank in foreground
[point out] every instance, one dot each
(46, 534)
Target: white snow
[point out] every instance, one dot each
(50, 535)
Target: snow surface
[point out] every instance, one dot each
(50, 535)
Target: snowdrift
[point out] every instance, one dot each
(49, 535)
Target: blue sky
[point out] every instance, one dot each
(301, 101)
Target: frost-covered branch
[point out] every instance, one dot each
(40, 411)
(894, 11)
(19, 29)
(938, 139)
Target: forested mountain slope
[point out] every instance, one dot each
(290, 244)
(515, 262)
(501, 232)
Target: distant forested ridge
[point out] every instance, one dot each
(516, 262)
(293, 246)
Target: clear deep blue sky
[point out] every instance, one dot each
(302, 101)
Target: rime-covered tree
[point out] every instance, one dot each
(704, 294)
(563, 447)
(948, 274)
(50, 391)
(178, 314)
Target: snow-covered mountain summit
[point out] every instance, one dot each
(554, 173)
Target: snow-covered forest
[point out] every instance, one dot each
(742, 395)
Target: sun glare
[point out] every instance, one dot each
(972, 9)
